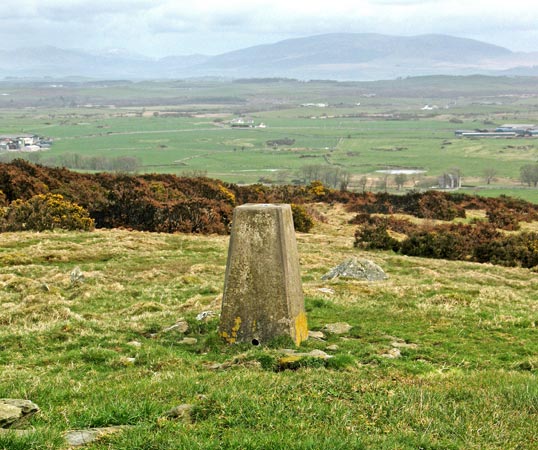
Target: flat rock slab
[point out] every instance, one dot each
(357, 269)
(13, 411)
(338, 328)
(78, 438)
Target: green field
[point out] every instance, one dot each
(365, 127)
(97, 353)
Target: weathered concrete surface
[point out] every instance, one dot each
(263, 296)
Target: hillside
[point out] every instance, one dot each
(441, 355)
(339, 56)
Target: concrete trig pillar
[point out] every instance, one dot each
(263, 296)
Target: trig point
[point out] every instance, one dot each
(263, 297)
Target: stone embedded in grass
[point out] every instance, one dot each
(181, 326)
(204, 316)
(357, 269)
(14, 411)
(76, 276)
(263, 296)
(393, 353)
(316, 335)
(79, 438)
(189, 341)
(337, 328)
(181, 412)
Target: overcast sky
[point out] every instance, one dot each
(165, 27)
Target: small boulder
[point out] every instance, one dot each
(181, 326)
(76, 276)
(358, 269)
(316, 335)
(14, 411)
(337, 328)
(393, 353)
(78, 438)
(181, 412)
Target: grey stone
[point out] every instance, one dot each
(78, 438)
(337, 328)
(189, 341)
(181, 412)
(135, 344)
(393, 353)
(332, 348)
(358, 269)
(180, 326)
(316, 335)
(263, 295)
(204, 316)
(76, 276)
(401, 344)
(14, 411)
(312, 354)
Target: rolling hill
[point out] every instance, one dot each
(339, 56)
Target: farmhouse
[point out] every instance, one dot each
(23, 143)
(240, 122)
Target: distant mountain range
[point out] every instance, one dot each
(341, 56)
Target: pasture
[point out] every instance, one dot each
(184, 127)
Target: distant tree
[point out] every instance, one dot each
(490, 174)
(400, 180)
(363, 181)
(529, 174)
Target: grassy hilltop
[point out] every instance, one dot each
(96, 352)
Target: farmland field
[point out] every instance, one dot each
(184, 127)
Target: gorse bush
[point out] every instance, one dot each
(45, 212)
(302, 220)
(478, 242)
(168, 203)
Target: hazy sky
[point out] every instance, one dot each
(164, 27)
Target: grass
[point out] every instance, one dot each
(466, 332)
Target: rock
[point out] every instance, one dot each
(14, 411)
(181, 412)
(332, 348)
(189, 341)
(79, 438)
(312, 354)
(204, 316)
(135, 344)
(316, 335)
(294, 361)
(180, 326)
(401, 344)
(76, 276)
(337, 328)
(358, 269)
(393, 353)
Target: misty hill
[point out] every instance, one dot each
(341, 56)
